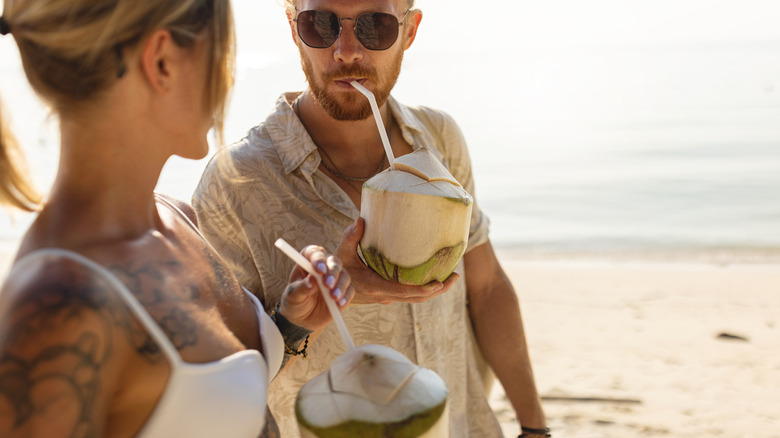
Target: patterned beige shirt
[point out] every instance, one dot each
(268, 186)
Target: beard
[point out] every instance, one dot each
(351, 106)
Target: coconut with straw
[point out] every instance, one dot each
(369, 391)
(417, 215)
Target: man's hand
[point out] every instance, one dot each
(302, 302)
(370, 287)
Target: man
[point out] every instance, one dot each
(298, 175)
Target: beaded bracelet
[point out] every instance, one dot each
(528, 432)
(291, 333)
(302, 352)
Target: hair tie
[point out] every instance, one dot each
(5, 28)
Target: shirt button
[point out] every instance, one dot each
(418, 326)
(310, 158)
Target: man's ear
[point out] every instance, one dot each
(156, 60)
(290, 19)
(411, 29)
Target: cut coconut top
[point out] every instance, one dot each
(393, 180)
(424, 165)
(419, 173)
(373, 372)
(372, 384)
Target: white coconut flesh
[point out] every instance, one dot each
(372, 390)
(424, 165)
(417, 220)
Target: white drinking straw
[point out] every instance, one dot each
(304, 263)
(378, 118)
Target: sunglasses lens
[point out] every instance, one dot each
(318, 29)
(376, 30)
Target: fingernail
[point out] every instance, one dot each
(322, 267)
(336, 293)
(308, 282)
(330, 281)
(438, 286)
(343, 301)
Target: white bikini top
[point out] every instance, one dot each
(224, 398)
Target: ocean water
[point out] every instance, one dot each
(607, 126)
(661, 147)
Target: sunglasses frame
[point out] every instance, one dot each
(354, 27)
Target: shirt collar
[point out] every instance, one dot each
(294, 144)
(412, 127)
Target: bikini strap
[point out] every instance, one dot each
(175, 208)
(140, 312)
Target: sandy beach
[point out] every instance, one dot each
(648, 348)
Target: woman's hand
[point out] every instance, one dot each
(302, 302)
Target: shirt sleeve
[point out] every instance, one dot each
(452, 145)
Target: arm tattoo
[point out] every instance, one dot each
(147, 284)
(41, 379)
(53, 353)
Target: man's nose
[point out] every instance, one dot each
(348, 48)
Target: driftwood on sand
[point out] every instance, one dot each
(557, 398)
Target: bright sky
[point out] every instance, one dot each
(564, 22)
(545, 23)
(515, 23)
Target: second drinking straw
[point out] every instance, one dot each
(304, 263)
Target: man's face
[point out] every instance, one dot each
(330, 70)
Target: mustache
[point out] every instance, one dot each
(351, 71)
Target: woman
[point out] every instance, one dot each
(117, 318)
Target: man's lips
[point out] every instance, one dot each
(347, 81)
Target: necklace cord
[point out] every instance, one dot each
(335, 171)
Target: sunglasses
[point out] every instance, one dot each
(374, 30)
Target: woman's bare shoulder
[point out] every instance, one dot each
(61, 340)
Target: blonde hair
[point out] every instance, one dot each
(72, 50)
(16, 190)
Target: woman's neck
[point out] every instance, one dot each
(105, 180)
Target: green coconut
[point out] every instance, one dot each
(373, 391)
(417, 220)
